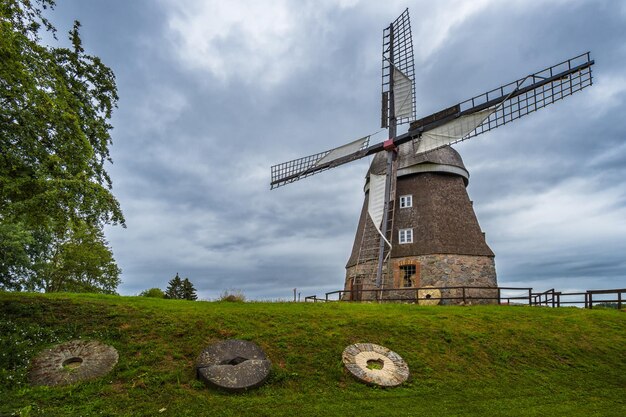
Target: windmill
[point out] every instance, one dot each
(418, 170)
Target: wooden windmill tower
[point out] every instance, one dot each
(417, 226)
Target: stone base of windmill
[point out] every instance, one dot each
(431, 271)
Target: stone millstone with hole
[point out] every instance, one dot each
(73, 361)
(428, 296)
(233, 365)
(375, 365)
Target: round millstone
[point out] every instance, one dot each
(71, 362)
(375, 365)
(429, 296)
(233, 365)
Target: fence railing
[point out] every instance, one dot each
(469, 295)
(313, 298)
(618, 297)
(428, 295)
(585, 299)
(548, 298)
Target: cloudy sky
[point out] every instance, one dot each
(212, 93)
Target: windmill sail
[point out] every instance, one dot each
(502, 105)
(511, 101)
(398, 72)
(451, 132)
(375, 206)
(342, 151)
(403, 95)
(296, 169)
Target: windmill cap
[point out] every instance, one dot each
(444, 160)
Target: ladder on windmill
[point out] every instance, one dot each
(369, 249)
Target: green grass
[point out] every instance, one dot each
(464, 361)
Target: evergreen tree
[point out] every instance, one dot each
(178, 289)
(174, 289)
(189, 292)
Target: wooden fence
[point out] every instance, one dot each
(480, 295)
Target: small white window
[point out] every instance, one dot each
(405, 236)
(406, 201)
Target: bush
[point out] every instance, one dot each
(233, 296)
(153, 292)
(605, 305)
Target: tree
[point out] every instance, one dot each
(178, 289)
(174, 288)
(55, 194)
(153, 293)
(14, 259)
(79, 263)
(189, 292)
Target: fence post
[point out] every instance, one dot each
(530, 296)
(619, 300)
(499, 295)
(590, 300)
(553, 301)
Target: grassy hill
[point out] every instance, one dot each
(479, 360)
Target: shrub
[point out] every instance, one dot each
(153, 292)
(234, 296)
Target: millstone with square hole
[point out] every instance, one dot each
(375, 365)
(233, 365)
(71, 362)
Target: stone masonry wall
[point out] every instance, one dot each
(438, 270)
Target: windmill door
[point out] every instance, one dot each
(356, 293)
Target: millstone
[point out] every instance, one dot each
(429, 296)
(71, 362)
(375, 365)
(233, 365)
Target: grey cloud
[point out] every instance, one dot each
(192, 152)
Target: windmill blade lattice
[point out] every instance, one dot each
(296, 169)
(398, 56)
(504, 104)
(546, 87)
(492, 109)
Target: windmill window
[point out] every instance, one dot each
(408, 272)
(405, 236)
(406, 201)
